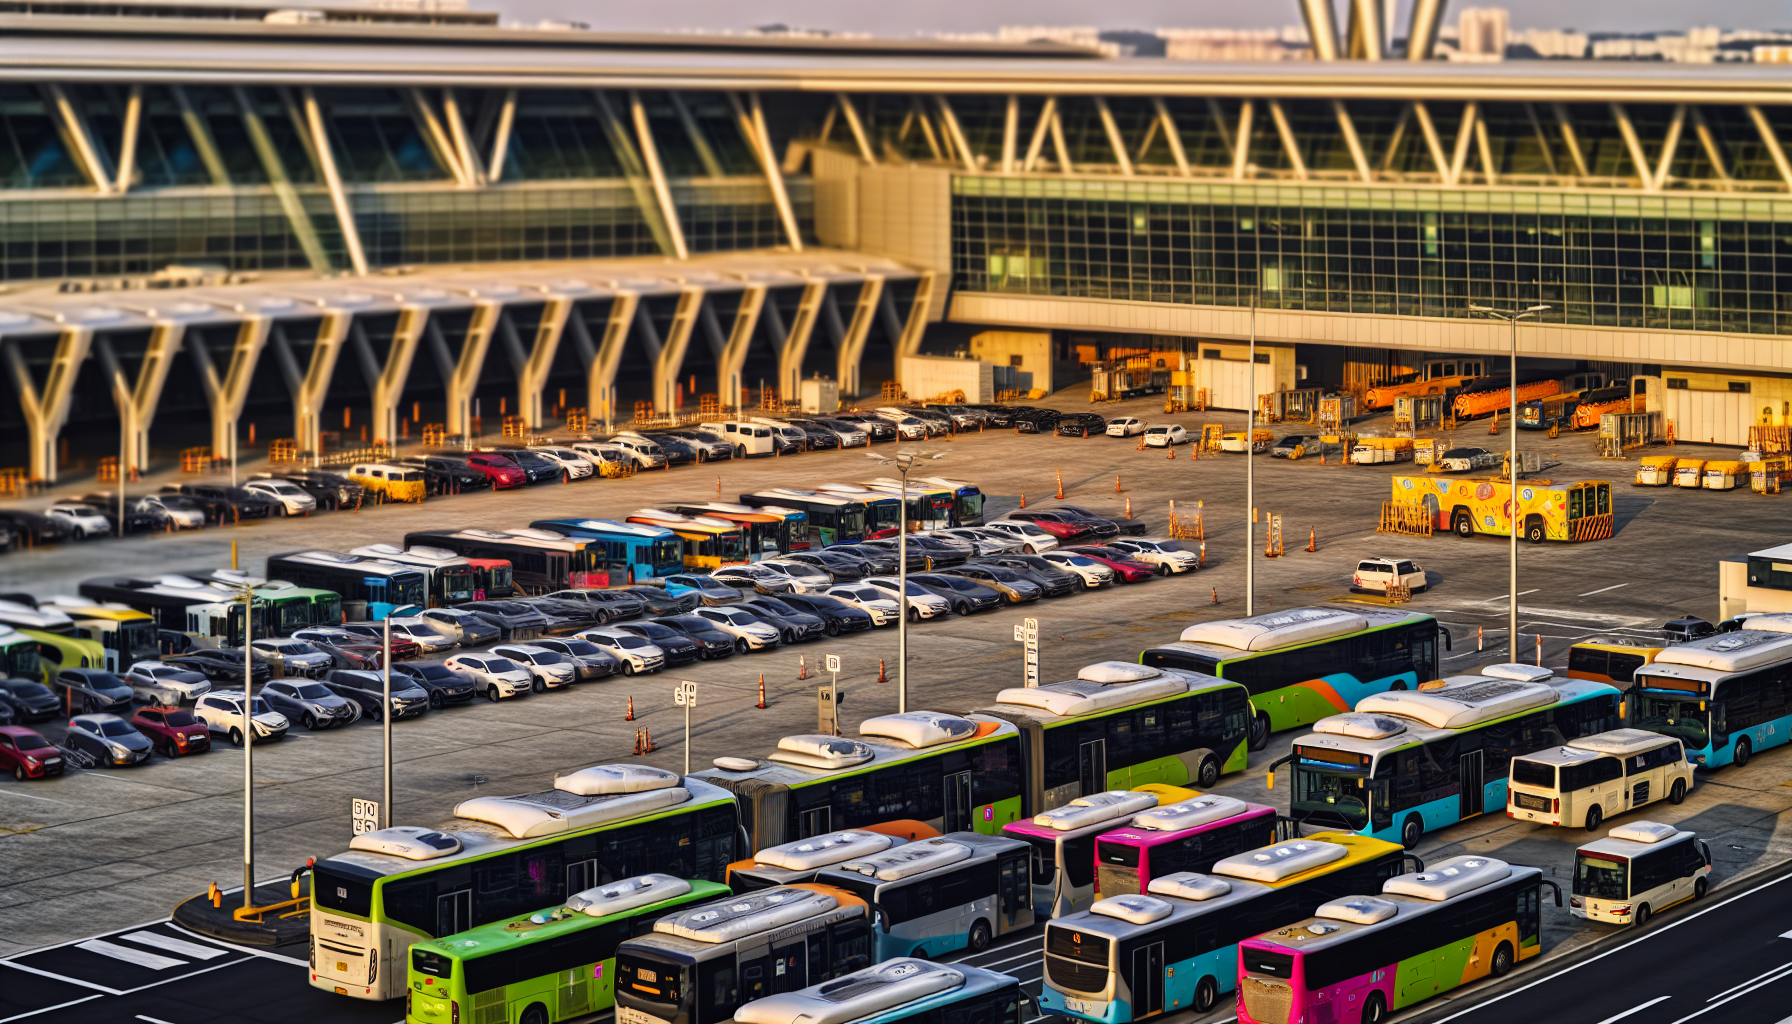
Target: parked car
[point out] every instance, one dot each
(499, 469)
(443, 684)
(939, 424)
(110, 740)
(1091, 571)
(447, 474)
(836, 616)
(592, 661)
(917, 556)
(713, 643)
(964, 417)
(1084, 424)
(173, 511)
(637, 654)
(1055, 580)
(157, 682)
(880, 606)
(91, 689)
(755, 576)
(1031, 536)
(809, 579)
(646, 454)
(368, 689)
(678, 648)
(1100, 525)
(1127, 568)
(173, 732)
(469, 629)
(659, 600)
(679, 451)
(1463, 460)
(84, 521)
(222, 712)
(1378, 574)
(375, 633)
(708, 589)
(818, 437)
(847, 435)
(876, 427)
(536, 467)
(27, 754)
(981, 541)
(432, 636)
(788, 440)
(922, 603)
(220, 665)
(549, 670)
(1285, 448)
(137, 519)
(493, 675)
(793, 626)
(1125, 426)
(1003, 416)
(1058, 524)
(292, 499)
(573, 465)
(30, 702)
(838, 567)
(711, 445)
(332, 490)
(878, 560)
(226, 504)
(564, 617)
(295, 657)
(938, 554)
(312, 703)
(1164, 555)
(964, 594)
(1014, 588)
(1165, 435)
(1037, 421)
(605, 606)
(513, 619)
(749, 631)
(35, 528)
(908, 428)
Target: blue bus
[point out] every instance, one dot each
(1724, 696)
(1409, 762)
(897, 990)
(627, 551)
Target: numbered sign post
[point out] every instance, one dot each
(366, 816)
(1028, 633)
(685, 696)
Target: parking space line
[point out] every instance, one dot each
(142, 958)
(174, 945)
(1602, 590)
(61, 977)
(184, 977)
(76, 942)
(296, 962)
(28, 796)
(153, 1020)
(47, 1009)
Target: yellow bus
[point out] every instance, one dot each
(708, 543)
(1577, 511)
(1610, 660)
(125, 635)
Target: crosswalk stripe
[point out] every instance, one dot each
(132, 956)
(174, 945)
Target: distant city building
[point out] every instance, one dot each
(1221, 44)
(1776, 53)
(1070, 35)
(416, 12)
(1548, 43)
(1481, 34)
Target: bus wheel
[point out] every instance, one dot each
(1207, 772)
(1464, 526)
(1594, 817)
(1375, 1009)
(1678, 793)
(979, 937)
(1739, 757)
(1411, 830)
(1502, 960)
(536, 1014)
(1207, 993)
(1642, 915)
(1259, 732)
(1699, 888)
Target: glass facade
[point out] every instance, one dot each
(1693, 263)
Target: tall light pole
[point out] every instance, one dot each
(904, 461)
(1250, 475)
(248, 718)
(1512, 319)
(386, 715)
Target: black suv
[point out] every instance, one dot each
(1086, 424)
(226, 504)
(447, 474)
(332, 490)
(1037, 421)
(538, 468)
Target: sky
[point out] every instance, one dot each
(908, 17)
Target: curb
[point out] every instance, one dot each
(198, 915)
(1544, 964)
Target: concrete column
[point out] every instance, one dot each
(734, 353)
(916, 327)
(796, 343)
(600, 376)
(852, 346)
(314, 388)
(137, 410)
(228, 392)
(465, 377)
(532, 378)
(670, 361)
(46, 410)
(388, 387)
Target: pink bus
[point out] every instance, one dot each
(1185, 836)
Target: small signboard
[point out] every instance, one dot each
(366, 815)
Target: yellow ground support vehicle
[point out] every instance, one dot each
(1656, 470)
(1372, 450)
(1547, 511)
(396, 483)
(1233, 441)
(1722, 474)
(1689, 473)
(1765, 476)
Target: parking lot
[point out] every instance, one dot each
(107, 849)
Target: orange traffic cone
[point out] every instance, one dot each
(631, 710)
(1060, 483)
(881, 677)
(802, 664)
(1216, 595)
(1116, 483)
(1203, 559)
(1313, 539)
(1023, 499)
(1170, 452)
(1141, 442)
(761, 703)
(1129, 508)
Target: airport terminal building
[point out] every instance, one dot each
(324, 225)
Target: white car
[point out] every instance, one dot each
(493, 674)
(463, 626)
(1160, 435)
(646, 454)
(1126, 426)
(808, 578)
(983, 540)
(1462, 460)
(750, 634)
(182, 513)
(922, 603)
(157, 682)
(292, 498)
(1379, 573)
(636, 653)
(880, 606)
(550, 669)
(221, 711)
(295, 657)
(1093, 573)
(907, 427)
(84, 520)
(1033, 538)
(600, 452)
(1165, 554)
(757, 576)
(429, 634)
(574, 464)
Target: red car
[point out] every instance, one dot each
(29, 755)
(501, 470)
(1053, 523)
(174, 732)
(1129, 571)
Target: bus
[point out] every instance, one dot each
(968, 510)
(832, 518)
(546, 966)
(938, 896)
(19, 655)
(1061, 843)
(625, 552)
(370, 588)
(1612, 660)
(292, 606)
(1188, 835)
(1411, 762)
(493, 578)
(502, 856)
(930, 506)
(540, 560)
(451, 577)
(1303, 664)
(883, 512)
(949, 773)
(53, 630)
(1489, 395)
(708, 543)
(699, 964)
(1174, 947)
(768, 531)
(1638, 870)
(897, 990)
(125, 635)
(212, 616)
(1724, 696)
(1572, 512)
(1120, 725)
(1466, 919)
(802, 859)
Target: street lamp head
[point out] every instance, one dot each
(1537, 309)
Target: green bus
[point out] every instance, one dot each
(503, 856)
(547, 966)
(1305, 664)
(56, 652)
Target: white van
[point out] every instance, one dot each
(791, 434)
(1596, 777)
(1637, 870)
(747, 438)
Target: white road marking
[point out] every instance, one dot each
(47, 1009)
(129, 955)
(295, 961)
(1602, 590)
(1759, 984)
(174, 945)
(28, 796)
(1503, 597)
(1786, 935)
(62, 977)
(1634, 1009)
(1750, 981)
(153, 1020)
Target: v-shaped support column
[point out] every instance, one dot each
(385, 382)
(852, 346)
(670, 360)
(311, 389)
(734, 353)
(461, 375)
(46, 410)
(228, 392)
(137, 399)
(600, 375)
(532, 375)
(916, 327)
(796, 343)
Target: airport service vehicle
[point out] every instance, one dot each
(1061, 846)
(1174, 947)
(1488, 395)
(699, 963)
(1166, 557)
(157, 682)
(1637, 871)
(1572, 512)
(1165, 435)
(922, 603)
(1591, 778)
(1611, 660)
(1413, 761)
(383, 588)
(368, 689)
(451, 577)
(707, 543)
(1287, 446)
(830, 518)
(1462, 460)
(903, 989)
(222, 712)
(172, 732)
(1381, 573)
(750, 632)
(28, 755)
(626, 551)
(1724, 696)
(636, 653)
(1363, 957)
(1233, 441)
(1183, 833)
(1656, 470)
(544, 559)
(677, 648)
(936, 896)
(549, 965)
(493, 675)
(442, 683)
(1438, 379)
(1125, 426)
(550, 670)
(1303, 664)
(402, 885)
(312, 704)
(110, 740)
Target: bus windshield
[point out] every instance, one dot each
(326, 608)
(667, 556)
(138, 640)
(1603, 878)
(1673, 716)
(970, 507)
(291, 613)
(407, 588)
(851, 521)
(21, 660)
(1332, 791)
(456, 583)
